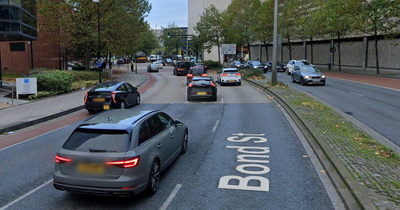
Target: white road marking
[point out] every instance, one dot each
(183, 90)
(357, 94)
(173, 101)
(26, 195)
(222, 100)
(242, 134)
(215, 126)
(170, 197)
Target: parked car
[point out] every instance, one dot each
(119, 152)
(237, 64)
(307, 75)
(279, 67)
(111, 95)
(169, 60)
(256, 65)
(229, 76)
(292, 63)
(195, 72)
(203, 88)
(121, 61)
(153, 67)
(181, 68)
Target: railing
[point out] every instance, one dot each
(12, 90)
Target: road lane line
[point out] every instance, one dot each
(170, 197)
(215, 127)
(174, 101)
(357, 94)
(222, 100)
(26, 195)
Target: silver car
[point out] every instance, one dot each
(153, 67)
(308, 75)
(119, 152)
(290, 65)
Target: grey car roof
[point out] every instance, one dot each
(119, 116)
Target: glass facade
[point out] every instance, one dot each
(18, 20)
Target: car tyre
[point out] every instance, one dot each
(123, 106)
(91, 111)
(154, 178)
(138, 99)
(302, 81)
(292, 79)
(185, 143)
(188, 97)
(239, 83)
(288, 72)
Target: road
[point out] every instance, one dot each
(376, 107)
(243, 134)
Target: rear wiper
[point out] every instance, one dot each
(100, 150)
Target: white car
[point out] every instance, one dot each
(229, 76)
(159, 64)
(292, 63)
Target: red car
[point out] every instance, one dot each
(195, 72)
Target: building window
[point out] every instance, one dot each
(20, 46)
(3, 1)
(15, 2)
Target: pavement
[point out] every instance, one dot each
(24, 114)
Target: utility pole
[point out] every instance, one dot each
(156, 44)
(275, 43)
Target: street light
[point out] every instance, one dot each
(98, 28)
(275, 44)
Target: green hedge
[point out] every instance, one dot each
(55, 81)
(212, 64)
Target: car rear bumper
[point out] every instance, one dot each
(230, 80)
(100, 106)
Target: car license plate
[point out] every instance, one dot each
(99, 99)
(232, 80)
(89, 168)
(105, 107)
(201, 93)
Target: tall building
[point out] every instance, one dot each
(196, 9)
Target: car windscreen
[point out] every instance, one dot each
(308, 69)
(104, 87)
(94, 140)
(201, 83)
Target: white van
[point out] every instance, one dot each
(153, 58)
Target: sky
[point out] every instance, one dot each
(166, 12)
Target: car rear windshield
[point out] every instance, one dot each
(201, 83)
(231, 71)
(104, 87)
(91, 140)
(184, 65)
(197, 71)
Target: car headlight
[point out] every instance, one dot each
(265, 66)
(307, 77)
(255, 67)
(323, 76)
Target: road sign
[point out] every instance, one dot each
(229, 49)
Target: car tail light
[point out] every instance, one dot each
(224, 74)
(113, 96)
(191, 84)
(238, 74)
(179, 69)
(62, 160)
(205, 67)
(86, 97)
(125, 163)
(212, 84)
(189, 75)
(204, 75)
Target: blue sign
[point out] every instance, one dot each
(26, 80)
(99, 64)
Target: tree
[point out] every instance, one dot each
(287, 27)
(121, 22)
(176, 38)
(146, 41)
(377, 17)
(238, 20)
(264, 25)
(209, 30)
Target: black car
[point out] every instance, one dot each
(111, 95)
(256, 65)
(202, 87)
(182, 68)
(195, 72)
(279, 67)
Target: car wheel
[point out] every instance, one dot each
(138, 99)
(122, 106)
(91, 111)
(220, 83)
(185, 143)
(288, 73)
(302, 81)
(239, 83)
(188, 97)
(292, 79)
(154, 178)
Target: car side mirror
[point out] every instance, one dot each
(178, 123)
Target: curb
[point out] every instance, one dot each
(40, 120)
(351, 192)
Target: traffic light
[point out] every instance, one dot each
(168, 34)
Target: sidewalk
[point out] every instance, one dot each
(30, 113)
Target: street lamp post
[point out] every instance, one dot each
(275, 44)
(98, 29)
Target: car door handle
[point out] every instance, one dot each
(159, 145)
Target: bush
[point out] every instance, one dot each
(85, 75)
(55, 81)
(212, 64)
(252, 74)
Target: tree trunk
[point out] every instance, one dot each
(87, 58)
(219, 55)
(340, 58)
(376, 52)
(266, 50)
(290, 48)
(248, 46)
(312, 50)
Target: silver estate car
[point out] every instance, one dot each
(119, 153)
(308, 75)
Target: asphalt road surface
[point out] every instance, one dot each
(243, 154)
(376, 107)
